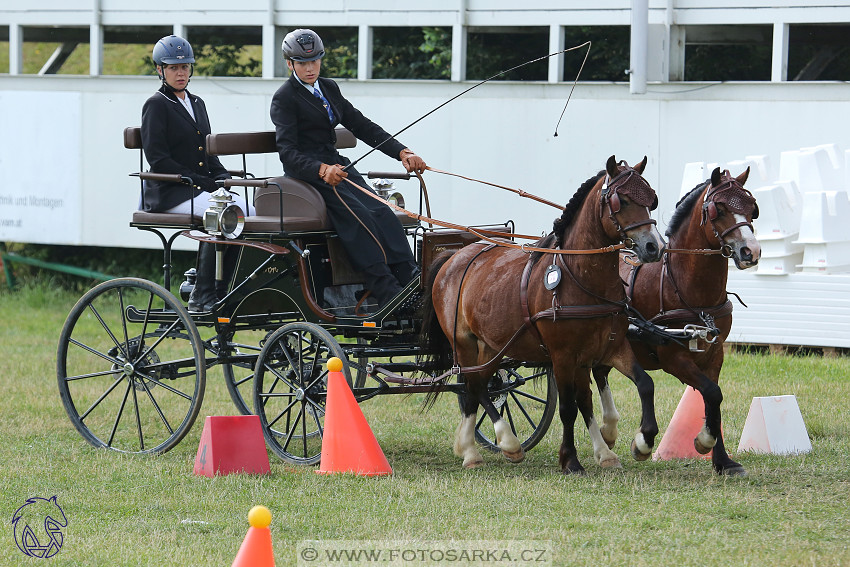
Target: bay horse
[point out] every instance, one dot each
(488, 301)
(711, 223)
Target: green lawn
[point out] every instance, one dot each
(127, 510)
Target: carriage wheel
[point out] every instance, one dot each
(128, 383)
(239, 375)
(290, 388)
(528, 408)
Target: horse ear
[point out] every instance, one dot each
(743, 177)
(715, 177)
(611, 167)
(641, 166)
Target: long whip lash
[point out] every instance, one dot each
(475, 86)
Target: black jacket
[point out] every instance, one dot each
(306, 138)
(174, 143)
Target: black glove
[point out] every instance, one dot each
(206, 184)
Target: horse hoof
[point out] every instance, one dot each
(736, 470)
(700, 448)
(515, 457)
(637, 455)
(611, 463)
(575, 472)
(473, 463)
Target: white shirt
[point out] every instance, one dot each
(187, 104)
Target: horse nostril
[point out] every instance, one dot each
(651, 248)
(746, 254)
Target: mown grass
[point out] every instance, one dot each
(126, 510)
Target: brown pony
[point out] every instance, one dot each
(489, 301)
(711, 223)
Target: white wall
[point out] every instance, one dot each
(62, 139)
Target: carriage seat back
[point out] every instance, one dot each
(133, 141)
(302, 208)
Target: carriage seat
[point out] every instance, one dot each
(133, 141)
(303, 207)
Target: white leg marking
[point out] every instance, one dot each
(610, 416)
(706, 438)
(604, 456)
(505, 438)
(464, 445)
(641, 444)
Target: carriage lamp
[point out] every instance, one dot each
(384, 189)
(223, 217)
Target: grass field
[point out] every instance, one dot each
(126, 510)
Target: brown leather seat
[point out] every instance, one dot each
(303, 208)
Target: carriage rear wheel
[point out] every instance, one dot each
(290, 389)
(528, 406)
(244, 346)
(131, 367)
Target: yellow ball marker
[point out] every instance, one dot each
(259, 517)
(334, 364)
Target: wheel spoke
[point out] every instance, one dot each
(120, 412)
(100, 399)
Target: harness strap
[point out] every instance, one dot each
(523, 298)
(689, 315)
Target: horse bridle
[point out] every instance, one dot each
(741, 202)
(640, 195)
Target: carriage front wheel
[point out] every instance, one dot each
(290, 389)
(130, 367)
(526, 398)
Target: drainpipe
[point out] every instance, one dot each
(639, 46)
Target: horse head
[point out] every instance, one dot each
(626, 201)
(728, 211)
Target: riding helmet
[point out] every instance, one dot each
(172, 50)
(303, 45)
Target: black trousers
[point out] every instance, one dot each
(369, 230)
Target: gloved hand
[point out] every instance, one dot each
(411, 161)
(332, 174)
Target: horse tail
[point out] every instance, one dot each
(432, 340)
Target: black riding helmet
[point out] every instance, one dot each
(303, 45)
(172, 50)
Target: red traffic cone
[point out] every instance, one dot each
(348, 444)
(688, 420)
(256, 549)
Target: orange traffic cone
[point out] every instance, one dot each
(688, 420)
(256, 549)
(348, 444)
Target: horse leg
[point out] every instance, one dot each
(604, 457)
(610, 415)
(505, 438)
(645, 437)
(568, 410)
(464, 443)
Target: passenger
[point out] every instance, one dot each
(175, 125)
(305, 110)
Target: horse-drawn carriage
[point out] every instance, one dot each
(132, 361)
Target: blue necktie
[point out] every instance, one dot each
(325, 103)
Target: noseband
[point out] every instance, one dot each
(639, 191)
(736, 198)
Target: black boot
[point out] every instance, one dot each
(381, 282)
(404, 272)
(203, 295)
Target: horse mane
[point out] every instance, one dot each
(563, 222)
(684, 208)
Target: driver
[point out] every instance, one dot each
(175, 125)
(305, 110)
